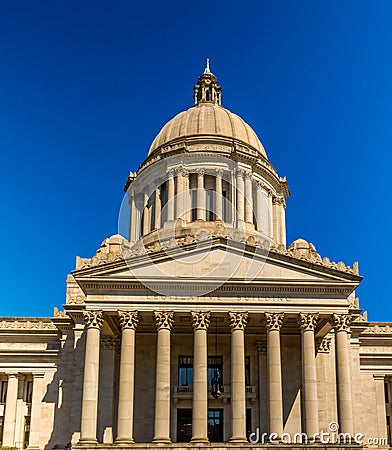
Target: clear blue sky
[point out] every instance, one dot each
(86, 85)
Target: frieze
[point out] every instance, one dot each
(377, 329)
(31, 324)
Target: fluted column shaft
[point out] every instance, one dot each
(132, 212)
(88, 429)
(146, 216)
(35, 421)
(240, 196)
(308, 324)
(170, 195)
(341, 323)
(200, 323)
(157, 215)
(218, 195)
(164, 321)
(201, 196)
(10, 411)
(248, 198)
(138, 215)
(186, 194)
(275, 398)
(238, 323)
(126, 391)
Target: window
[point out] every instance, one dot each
(214, 362)
(1, 429)
(210, 205)
(26, 431)
(3, 391)
(185, 371)
(215, 425)
(184, 425)
(247, 370)
(28, 392)
(224, 207)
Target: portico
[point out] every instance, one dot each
(169, 397)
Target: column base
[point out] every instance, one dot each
(87, 441)
(237, 440)
(199, 440)
(124, 441)
(159, 440)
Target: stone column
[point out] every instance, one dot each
(341, 324)
(132, 215)
(164, 322)
(240, 196)
(261, 210)
(307, 323)
(381, 412)
(88, 429)
(10, 411)
(138, 215)
(283, 221)
(35, 420)
(275, 220)
(275, 398)
(263, 396)
(218, 195)
(157, 216)
(126, 388)
(201, 196)
(170, 195)
(238, 321)
(146, 216)
(186, 195)
(248, 198)
(200, 323)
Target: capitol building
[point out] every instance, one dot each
(198, 324)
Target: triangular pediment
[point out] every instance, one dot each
(218, 263)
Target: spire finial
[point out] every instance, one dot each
(207, 88)
(207, 69)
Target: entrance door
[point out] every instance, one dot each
(184, 425)
(215, 425)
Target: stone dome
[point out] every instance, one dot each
(207, 119)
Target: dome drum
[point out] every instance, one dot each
(207, 169)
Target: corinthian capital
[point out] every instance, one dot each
(128, 319)
(164, 319)
(341, 322)
(238, 320)
(274, 321)
(219, 172)
(200, 320)
(93, 319)
(308, 322)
